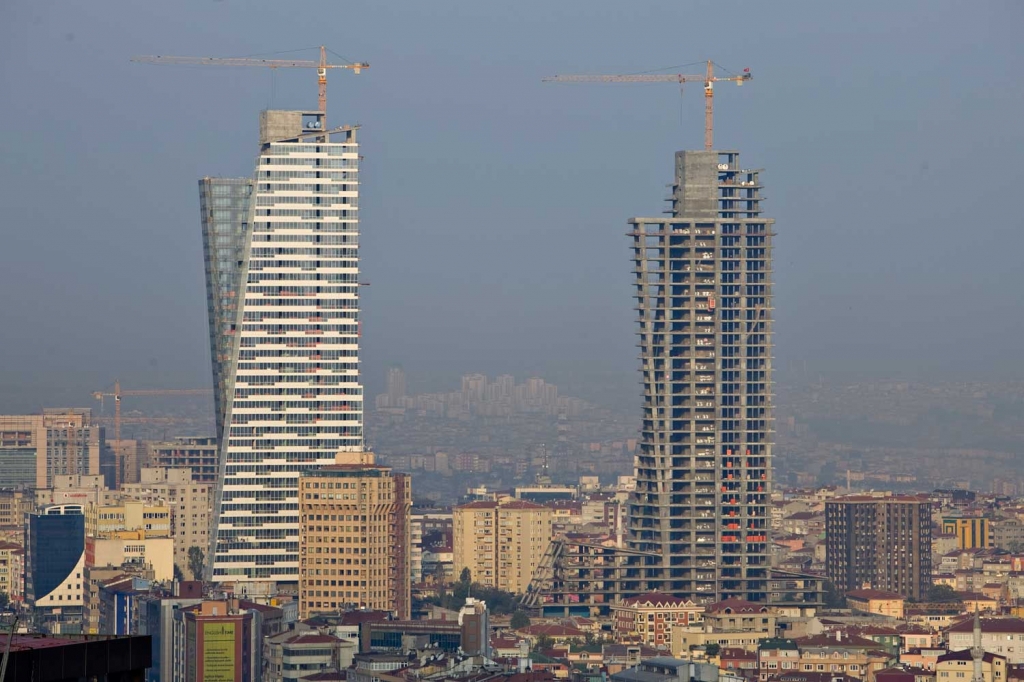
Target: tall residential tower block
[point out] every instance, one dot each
(698, 520)
(354, 538)
(882, 542)
(703, 291)
(283, 283)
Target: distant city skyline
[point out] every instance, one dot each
(481, 396)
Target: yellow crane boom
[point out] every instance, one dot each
(321, 66)
(117, 393)
(709, 79)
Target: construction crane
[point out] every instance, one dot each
(320, 66)
(709, 79)
(118, 394)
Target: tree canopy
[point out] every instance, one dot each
(196, 562)
(499, 602)
(942, 593)
(834, 599)
(519, 620)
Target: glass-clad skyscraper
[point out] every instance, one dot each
(55, 540)
(293, 397)
(224, 207)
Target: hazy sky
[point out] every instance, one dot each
(494, 206)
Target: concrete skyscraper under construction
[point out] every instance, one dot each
(703, 289)
(698, 520)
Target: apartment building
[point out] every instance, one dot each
(880, 542)
(501, 542)
(354, 537)
(1001, 636)
(36, 448)
(134, 547)
(199, 455)
(128, 515)
(650, 618)
(972, 532)
(285, 336)
(15, 503)
(732, 623)
(190, 505)
(216, 640)
(12, 571)
(76, 489)
(960, 665)
(703, 291)
(130, 531)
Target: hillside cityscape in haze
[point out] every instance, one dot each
(500, 353)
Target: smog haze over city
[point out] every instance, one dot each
(494, 206)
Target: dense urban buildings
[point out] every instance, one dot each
(501, 542)
(698, 553)
(293, 366)
(880, 541)
(354, 537)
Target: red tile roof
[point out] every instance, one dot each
(552, 630)
(1002, 625)
(656, 599)
(479, 504)
(521, 504)
(837, 640)
(965, 655)
(735, 606)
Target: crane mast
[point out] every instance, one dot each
(708, 78)
(117, 394)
